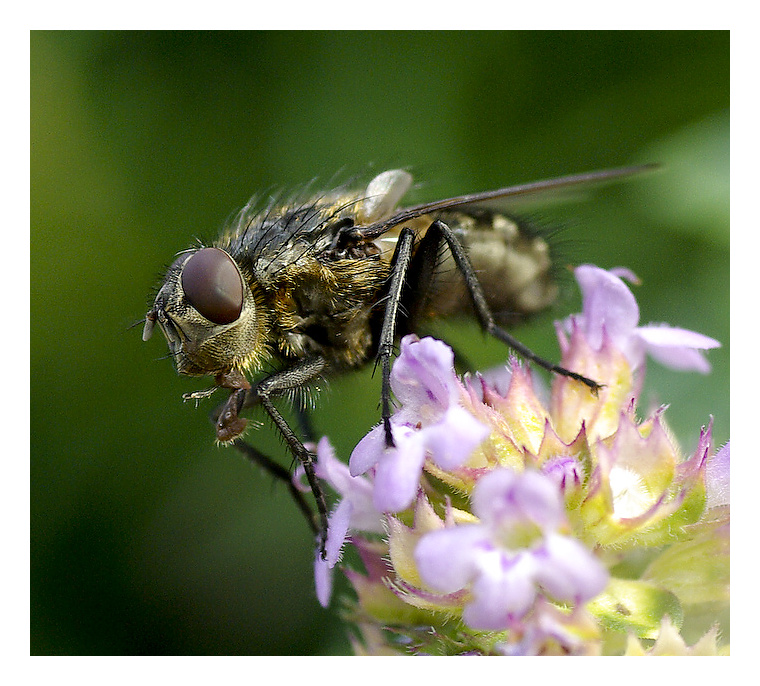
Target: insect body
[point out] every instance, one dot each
(325, 285)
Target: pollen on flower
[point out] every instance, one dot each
(630, 494)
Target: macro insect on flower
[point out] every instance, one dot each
(322, 284)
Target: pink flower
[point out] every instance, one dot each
(353, 512)
(610, 308)
(431, 422)
(512, 555)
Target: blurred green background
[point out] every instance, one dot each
(147, 538)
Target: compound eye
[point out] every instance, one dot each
(213, 286)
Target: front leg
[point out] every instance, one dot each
(277, 384)
(227, 422)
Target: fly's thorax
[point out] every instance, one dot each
(210, 314)
(326, 308)
(513, 264)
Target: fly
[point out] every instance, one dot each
(324, 285)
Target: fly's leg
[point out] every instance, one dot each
(278, 384)
(411, 273)
(279, 472)
(231, 407)
(227, 422)
(438, 232)
(402, 258)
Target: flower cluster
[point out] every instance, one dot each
(501, 524)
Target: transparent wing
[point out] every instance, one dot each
(535, 191)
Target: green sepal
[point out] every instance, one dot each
(675, 526)
(697, 571)
(635, 607)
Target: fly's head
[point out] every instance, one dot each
(208, 314)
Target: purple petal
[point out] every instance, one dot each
(447, 559)
(331, 469)
(568, 571)
(367, 451)
(681, 359)
(397, 474)
(565, 471)
(625, 273)
(322, 579)
(503, 496)
(423, 375)
(452, 440)
(327, 464)
(672, 336)
(356, 489)
(677, 348)
(503, 590)
(608, 305)
(337, 531)
(717, 478)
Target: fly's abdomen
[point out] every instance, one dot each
(513, 265)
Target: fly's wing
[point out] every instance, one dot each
(382, 195)
(534, 191)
